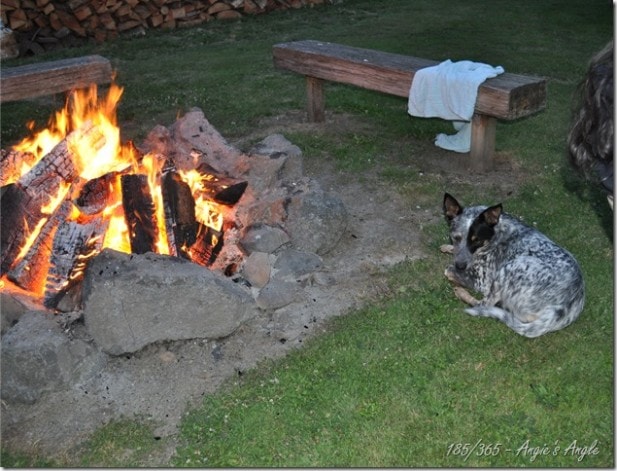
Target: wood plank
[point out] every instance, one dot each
(508, 96)
(46, 78)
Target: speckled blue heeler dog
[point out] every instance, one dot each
(528, 282)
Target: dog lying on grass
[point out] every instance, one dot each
(528, 282)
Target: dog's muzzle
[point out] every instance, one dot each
(460, 265)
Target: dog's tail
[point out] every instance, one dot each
(550, 319)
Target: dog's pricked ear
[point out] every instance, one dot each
(491, 215)
(451, 207)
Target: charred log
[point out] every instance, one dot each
(12, 163)
(95, 194)
(179, 214)
(17, 216)
(139, 213)
(73, 245)
(27, 202)
(30, 271)
(207, 246)
(220, 188)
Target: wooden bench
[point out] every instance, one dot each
(507, 96)
(47, 78)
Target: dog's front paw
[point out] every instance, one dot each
(447, 248)
(450, 275)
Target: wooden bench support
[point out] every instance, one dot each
(482, 141)
(507, 96)
(315, 100)
(47, 78)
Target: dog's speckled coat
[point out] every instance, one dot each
(528, 282)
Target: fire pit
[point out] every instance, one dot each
(181, 237)
(300, 257)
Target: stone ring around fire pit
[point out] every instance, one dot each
(271, 252)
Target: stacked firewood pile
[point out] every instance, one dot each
(42, 24)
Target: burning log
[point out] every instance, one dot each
(12, 163)
(179, 214)
(14, 223)
(73, 245)
(95, 194)
(219, 188)
(39, 192)
(207, 246)
(30, 270)
(58, 166)
(139, 213)
(71, 203)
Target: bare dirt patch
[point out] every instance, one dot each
(158, 383)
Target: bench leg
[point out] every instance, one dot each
(482, 142)
(316, 104)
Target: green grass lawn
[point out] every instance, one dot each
(409, 380)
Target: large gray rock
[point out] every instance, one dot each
(131, 301)
(38, 357)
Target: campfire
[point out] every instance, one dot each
(74, 189)
(178, 241)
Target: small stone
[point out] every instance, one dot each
(168, 357)
(257, 269)
(274, 145)
(263, 238)
(278, 294)
(294, 264)
(274, 160)
(323, 279)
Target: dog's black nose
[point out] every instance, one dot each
(460, 265)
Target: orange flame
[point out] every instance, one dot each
(83, 106)
(98, 151)
(206, 212)
(153, 167)
(117, 235)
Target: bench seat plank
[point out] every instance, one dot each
(507, 96)
(47, 78)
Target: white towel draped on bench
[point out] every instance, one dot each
(448, 91)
